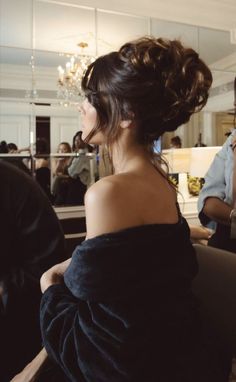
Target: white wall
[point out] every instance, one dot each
(17, 120)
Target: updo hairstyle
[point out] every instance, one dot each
(158, 83)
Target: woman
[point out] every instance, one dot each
(122, 309)
(60, 175)
(60, 164)
(79, 167)
(78, 173)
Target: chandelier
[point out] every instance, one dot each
(70, 77)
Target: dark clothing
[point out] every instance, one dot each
(126, 311)
(31, 242)
(199, 145)
(69, 191)
(18, 163)
(43, 177)
(221, 238)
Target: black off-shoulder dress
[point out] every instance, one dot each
(126, 311)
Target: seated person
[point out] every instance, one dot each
(60, 164)
(3, 147)
(11, 148)
(59, 171)
(216, 201)
(31, 241)
(72, 189)
(123, 308)
(42, 166)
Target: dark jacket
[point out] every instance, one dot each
(31, 241)
(126, 311)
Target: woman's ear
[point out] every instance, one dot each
(124, 124)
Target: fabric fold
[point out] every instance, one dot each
(113, 266)
(127, 309)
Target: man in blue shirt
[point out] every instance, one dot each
(216, 203)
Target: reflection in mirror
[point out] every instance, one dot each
(62, 189)
(73, 169)
(65, 177)
(31, 107)
(23, 161)
(16, 73)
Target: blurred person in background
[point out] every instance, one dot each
(175, 142)
(31, 241)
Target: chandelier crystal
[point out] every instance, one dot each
(70, 77)
(32, 93)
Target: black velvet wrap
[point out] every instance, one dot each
(126, 311)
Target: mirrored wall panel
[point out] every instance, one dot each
(40, 47)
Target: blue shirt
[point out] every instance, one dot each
(218, 179)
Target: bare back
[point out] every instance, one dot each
(129, 199)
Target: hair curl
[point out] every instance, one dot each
(156, 82)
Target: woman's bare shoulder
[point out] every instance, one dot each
(102, 189)
(104, 202)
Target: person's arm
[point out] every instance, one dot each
(59, 167)
(233, 212)
(211, 205)
(217, 210)
(234, 171)
(54, 275)
(54, 166)
(31, 371)
(63, 317)
(75, 168)
(199, 234)
(23, 149)
(59, 320)
(60, 323)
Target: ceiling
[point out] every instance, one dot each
(219, 14)
(56, 26)
(15, 29)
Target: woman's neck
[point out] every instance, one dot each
(128, 155)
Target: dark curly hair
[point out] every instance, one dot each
(3, 147)
(158, 83)
(83, 145)
(176, 141)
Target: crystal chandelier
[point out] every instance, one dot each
(69, 80)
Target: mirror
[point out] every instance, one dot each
(30, 106)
